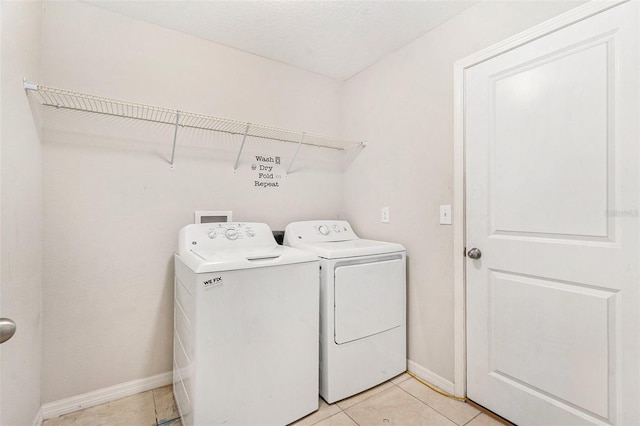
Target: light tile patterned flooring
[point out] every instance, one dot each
(150, 408)
(402, 401)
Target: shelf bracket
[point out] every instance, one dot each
(175, 137)
(296, 153)
(29, 86)
(244, 139)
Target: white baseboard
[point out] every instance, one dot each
(39, 418)
(431, 377)
(101, 396)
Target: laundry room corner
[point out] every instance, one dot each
(403, 105)
(112, 203)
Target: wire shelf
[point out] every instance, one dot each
(67, 99)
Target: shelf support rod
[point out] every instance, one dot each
(296, 153)
(244, 139)
(175, 137)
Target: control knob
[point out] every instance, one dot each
(212, 234)
(323, 230)
(231, 234)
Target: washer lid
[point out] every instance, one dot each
(351, 248)
(211, 260)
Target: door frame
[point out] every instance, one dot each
(459, 224)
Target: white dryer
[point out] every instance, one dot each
(246, 327)
(362, 306)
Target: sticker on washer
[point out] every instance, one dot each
(211, 283)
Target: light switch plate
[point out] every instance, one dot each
(445, 214)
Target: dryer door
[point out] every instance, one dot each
(369, 299)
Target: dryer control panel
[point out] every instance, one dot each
(224, 235)
(315, 231)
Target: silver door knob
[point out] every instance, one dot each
(474, 253)
(7, 329)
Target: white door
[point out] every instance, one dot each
(552, 188)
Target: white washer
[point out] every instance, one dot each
(362, 306)
(246, 327)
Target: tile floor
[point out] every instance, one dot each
(401, 401)
(151, 408)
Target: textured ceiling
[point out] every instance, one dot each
(337, 39)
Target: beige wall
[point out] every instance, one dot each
(112, 206)
(21, 214)
(403, 106)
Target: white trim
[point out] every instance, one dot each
(430, 377)
(459, 296)
(39, 418)
(101, 396)
(545, 28)
(568, 18)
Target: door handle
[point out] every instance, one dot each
(7, 329)
(474, 253)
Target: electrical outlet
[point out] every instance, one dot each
(445, 214)
(384, 215)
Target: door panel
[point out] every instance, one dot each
(551, 163)
(549, 353)
(538, 135)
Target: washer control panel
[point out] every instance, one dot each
(318, 231)
(231, 231)
(225, 234)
